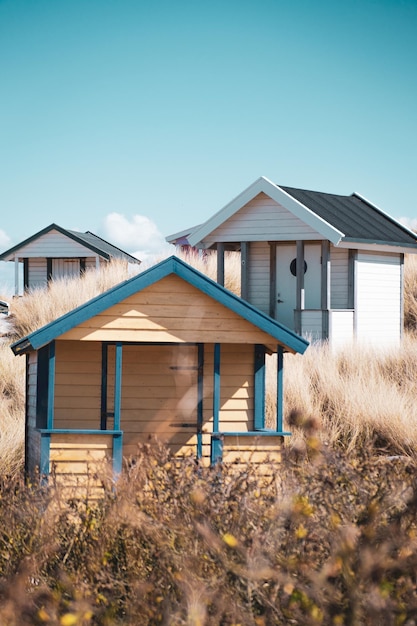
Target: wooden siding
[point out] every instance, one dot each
(253, 449)
(339, 276)
(259, 279)
(378, 298)
(77, 385)
(262, 219)
(37, 273)
(311, 324)
(53, 244)
(65, 268)
(170, 310)
(80, 463)
(159, 397)
(33, 437)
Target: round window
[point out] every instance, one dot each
(293, 267)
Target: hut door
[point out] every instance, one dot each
(160, 397)
(286, 284)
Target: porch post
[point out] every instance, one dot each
(325, 288)
(118, 385)
(273, 279)
(216, 388)
(244, 270)
(280, 389)
(16, 275)
(259, 388)
(104, 368)
(51, 386)
(220, 263)
(200, 382)
(117, 439)
(300, 301)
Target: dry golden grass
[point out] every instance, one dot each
(364, 397)
(12, 402)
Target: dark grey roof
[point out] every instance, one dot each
(354, 216)
(104, 246)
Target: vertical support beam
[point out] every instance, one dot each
(216, 388)
(104, 378)
(48, 270)
(82, 266)
(51, 386)
(244, 270)
(300, 299)
(16, 275)
(200, 393)
(259, 388)
(273, 279)
(352, 269)
(97, 262)
(280, 389)
(25, 275)
(118, 385)
(325, 288)
(351, 279)
(220, 263)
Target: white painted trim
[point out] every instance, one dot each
(181, 233)
(263, 185)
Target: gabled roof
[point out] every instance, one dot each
(338, 218)
(173, 265)
(94, 243)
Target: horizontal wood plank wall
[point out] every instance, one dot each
(262, 219)
(159, 397)
(339, 278)
(81, 461)
(236, 389)
(378, 298)
(33, 443)
(256, 450)
(37, 273)
(54, 244)
(259, 279)
(171, 310)
(77, 385)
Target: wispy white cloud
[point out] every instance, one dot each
(137, 235)
(409, 222)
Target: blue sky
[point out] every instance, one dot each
(137, 118)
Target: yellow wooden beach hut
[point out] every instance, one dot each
(168, 354)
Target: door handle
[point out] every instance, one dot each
(280, 301)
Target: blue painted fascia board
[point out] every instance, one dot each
(172, 265)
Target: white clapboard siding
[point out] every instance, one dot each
(54, 244)
(341, 328)
(37, 273)
(311, 324)
(378, 298)
(259, 275)
(262, 219)
(339, 258)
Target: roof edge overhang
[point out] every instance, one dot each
(173, 265)
(386, 215)
(264, 185)
(11, 253)
(377, 246)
